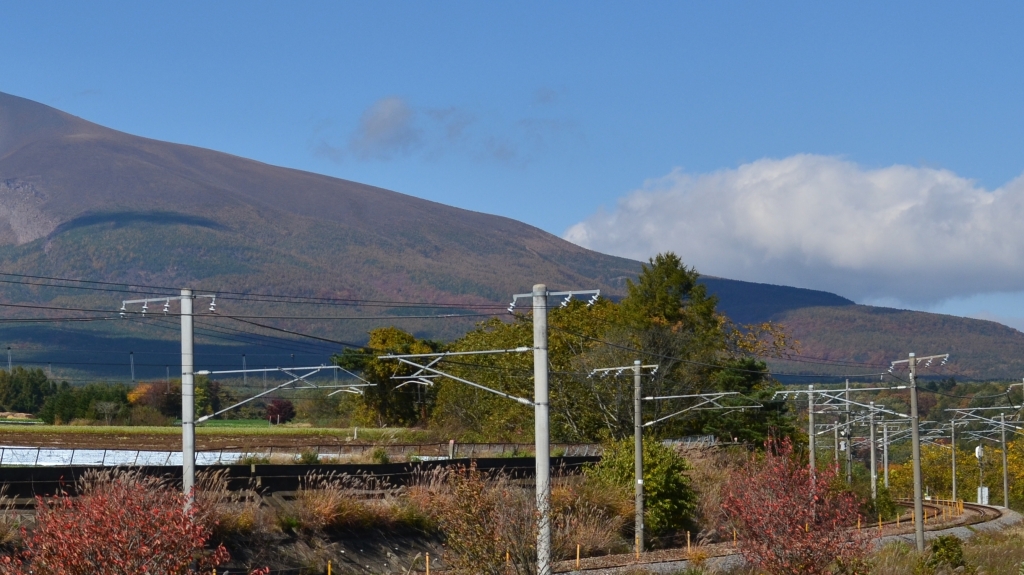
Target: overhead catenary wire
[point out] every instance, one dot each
(254, 296)
(159, 322)
(703, 363)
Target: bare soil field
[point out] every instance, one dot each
(169, 438)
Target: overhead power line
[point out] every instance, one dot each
(232, 295)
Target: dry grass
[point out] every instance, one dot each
(999, 553)
(330, 502)
(236, 519)
(709, 472)
(490, 519)
(10, 522)
(587, 515)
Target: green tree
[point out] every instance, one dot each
(753, 426)
(471, 413)
(211, 397)
(70, 403)
(669, 501)
(669, 316)
(24, 390)
(666, 319)
(389, 401)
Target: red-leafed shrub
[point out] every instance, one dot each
(280, 411)
(789, 522)
(121, 523)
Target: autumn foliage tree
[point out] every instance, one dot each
(120, 523)
(788, 521)
(280, 411)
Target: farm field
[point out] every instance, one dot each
(222, 435)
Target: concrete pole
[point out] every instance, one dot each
(810, 430)
(885, 454)
(835, 452)
(952, 443)
(1006, 476)
(981, 473)
(915, 433)
(638, 457)
(541, 431)
(188, 398)
(874, 454)
(849, 439)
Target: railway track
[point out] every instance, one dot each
(940, 515)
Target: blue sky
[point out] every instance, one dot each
(594, 119)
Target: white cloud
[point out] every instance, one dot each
(915, 235)
(386, 129)
(393, 129)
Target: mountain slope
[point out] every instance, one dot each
(73, 188)
(82, 201)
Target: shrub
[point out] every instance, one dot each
(280, 411)
(148, 416)
(669, 502)
(253, 459)
(380, 456)
(308, 457)
(946, 550)
(791, 522)
(120, 523)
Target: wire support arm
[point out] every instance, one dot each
(461, 380)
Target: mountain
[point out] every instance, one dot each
(78, 200)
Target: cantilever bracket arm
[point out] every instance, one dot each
(709, 398)
(432, 370)
(594, 293)
(258, 395)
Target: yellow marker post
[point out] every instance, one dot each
(733, 536)
(687, 542)
(879, 522)
(858, 523)
(328, 567)
(577, 555)
(428, 563)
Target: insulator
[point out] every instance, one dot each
(593, 300)
(167, 307)
(213, 305)
(145, 307)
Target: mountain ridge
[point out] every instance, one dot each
(79, 200)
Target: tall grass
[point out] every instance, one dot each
(237, 519)
(338, 502)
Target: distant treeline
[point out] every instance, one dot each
(159, 403)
